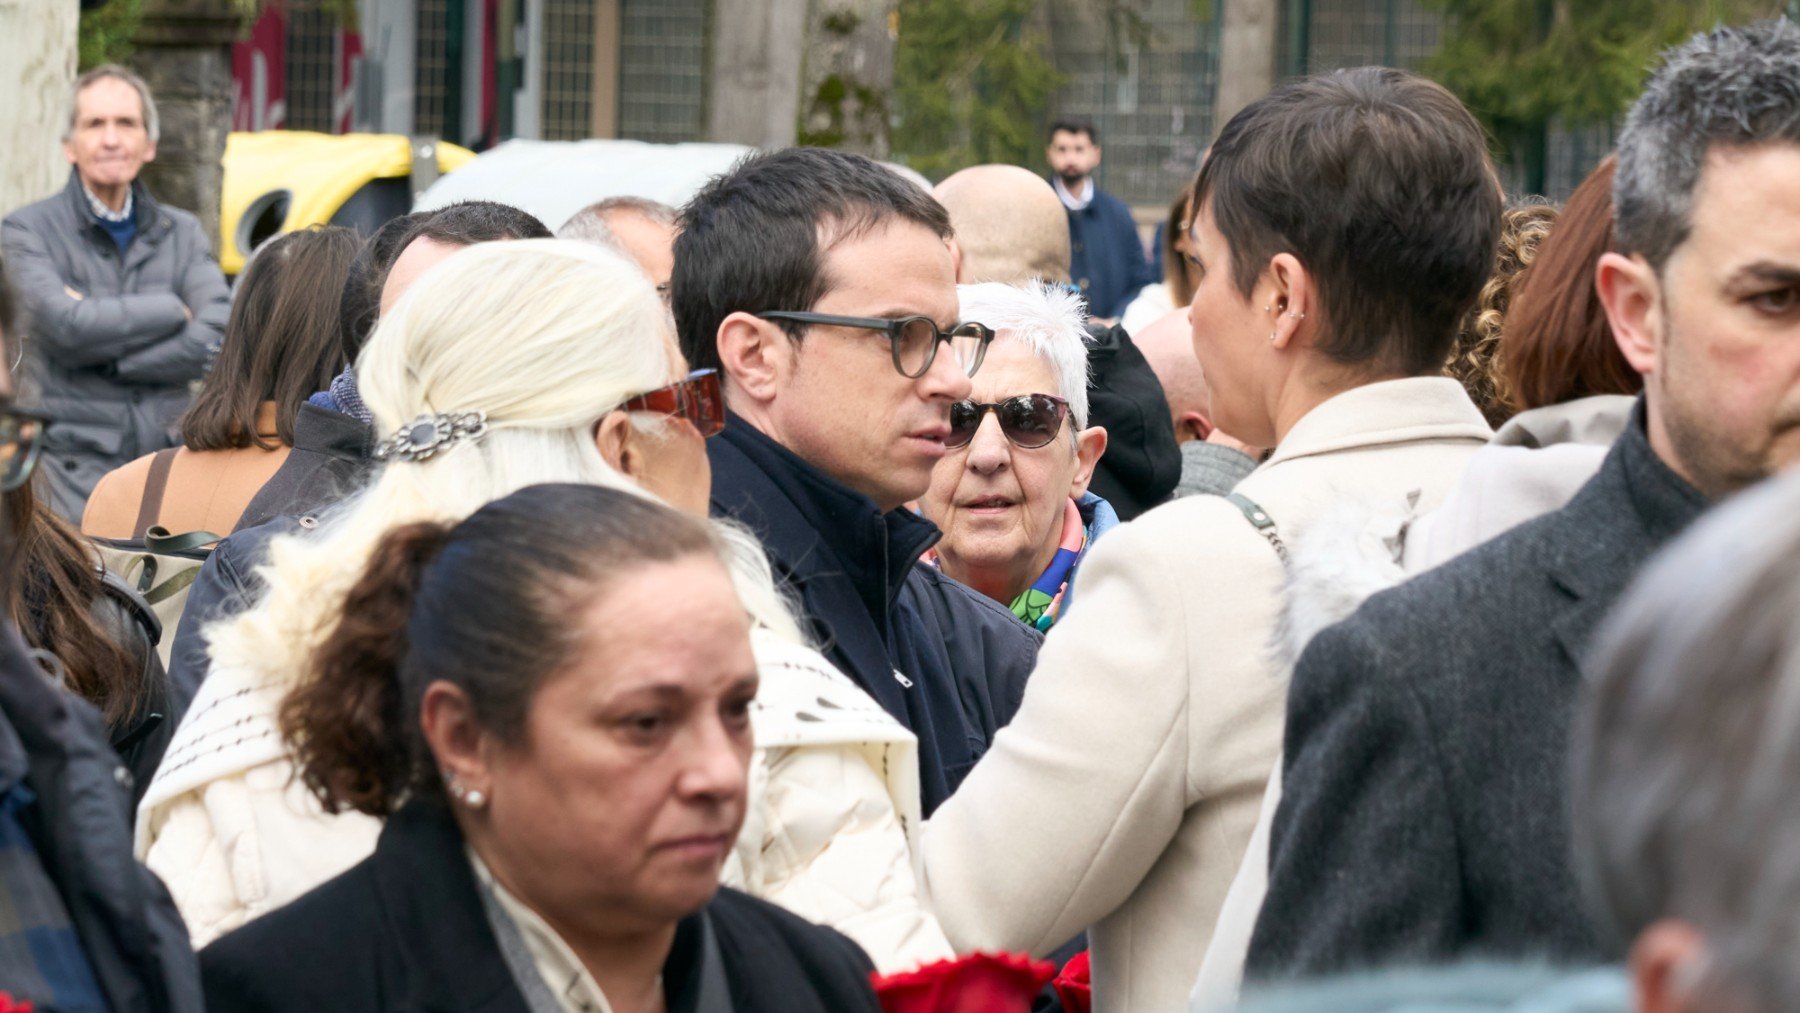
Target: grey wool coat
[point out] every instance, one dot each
(1423, 810)
(112, 368)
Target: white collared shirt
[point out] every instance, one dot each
(1069, 200)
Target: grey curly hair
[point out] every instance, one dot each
(1732, 86)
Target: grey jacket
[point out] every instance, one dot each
(112, 368)
(1423, 814)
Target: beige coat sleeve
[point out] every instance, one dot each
(833, 852)
(1142, 704)
(241, 846)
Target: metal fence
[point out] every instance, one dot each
(568, 110)
(1151, 98)
(662, 69)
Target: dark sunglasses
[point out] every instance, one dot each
(696, 399)
(1028, 420)
(913, 340)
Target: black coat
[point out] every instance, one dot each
(946, 662)
(1106, 257)
(404, 930)
(81, 828)
(1423, 807)
(1142, 464)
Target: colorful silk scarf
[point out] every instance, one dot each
(1038, 605)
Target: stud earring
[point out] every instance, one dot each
(1297, 316)
(474, 799)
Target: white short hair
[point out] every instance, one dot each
(152, 123)
(1049, 318)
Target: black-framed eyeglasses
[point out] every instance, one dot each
(914, 340)
(1030, 421)
(21, 441)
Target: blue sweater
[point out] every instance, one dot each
(1106, 260)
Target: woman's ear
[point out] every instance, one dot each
(613, 438)
(1291, 300)
(457, 741)
(1090, 443)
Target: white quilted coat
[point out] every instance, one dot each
(834, 804)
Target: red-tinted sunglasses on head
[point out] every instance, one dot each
(696, 399)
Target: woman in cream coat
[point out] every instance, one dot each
(1122, 796)
(234, 834)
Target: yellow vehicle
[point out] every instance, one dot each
(281, 180)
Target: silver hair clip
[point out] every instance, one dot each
(428, 435)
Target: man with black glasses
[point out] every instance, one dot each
(821, 287)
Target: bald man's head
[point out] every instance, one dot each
(1009, 225)
(1168, 345)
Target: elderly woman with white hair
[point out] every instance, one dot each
(1012, 494)
(511, 365)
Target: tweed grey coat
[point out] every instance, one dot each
(1423, 810)
(112, 368)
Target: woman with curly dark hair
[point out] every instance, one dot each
(1477, 361)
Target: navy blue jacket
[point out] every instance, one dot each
(1106, 259)
(946, 662)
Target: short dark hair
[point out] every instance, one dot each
(1407, 238)
(361, 301)
(281, 340)
(752, 240)
(486, 605)
(1732, 86)
(1074, 125)
(464, 223)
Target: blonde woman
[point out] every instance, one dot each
(510, 365)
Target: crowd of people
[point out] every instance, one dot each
(833, 595)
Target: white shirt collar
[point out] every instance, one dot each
(567, 977)
(1070, 201)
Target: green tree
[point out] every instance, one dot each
(972, 83)
(105, 33)
(1522, 64)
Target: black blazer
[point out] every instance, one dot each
(1423, 806)
(944, 661)
(404, 932)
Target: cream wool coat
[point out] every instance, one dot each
(1122, 795)
(828, 833)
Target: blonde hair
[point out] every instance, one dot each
(546, 336)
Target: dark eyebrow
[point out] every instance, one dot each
(1768, 272)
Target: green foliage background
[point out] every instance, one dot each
(105, 34)
(1521, 65)
(972, 84)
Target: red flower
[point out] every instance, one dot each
(977, 983)
(10, 1005)
(1074, 986)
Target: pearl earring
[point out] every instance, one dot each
(474, 799)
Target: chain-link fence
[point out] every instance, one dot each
(662, 69)
(1150, 94)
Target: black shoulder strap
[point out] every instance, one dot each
(150, 507)
(1261, 521)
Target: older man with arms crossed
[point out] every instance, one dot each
(125, 301)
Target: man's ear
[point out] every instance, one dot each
(956, 259)
(756, 355)
(69, 151)
(1632, 295)
(1194, 424)
(1664, 963)
(1090, 443)
(150, 152)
